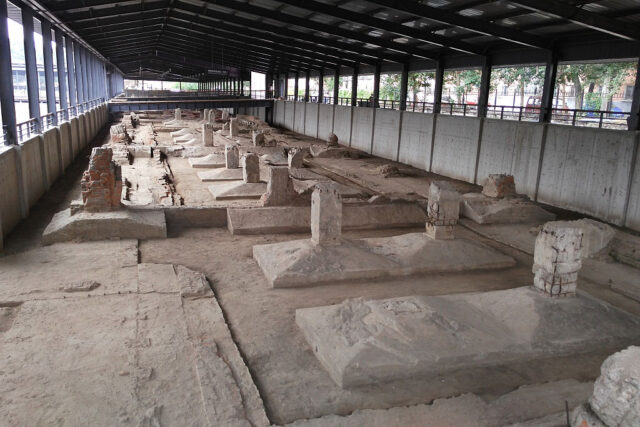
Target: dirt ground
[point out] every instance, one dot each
(132, 352)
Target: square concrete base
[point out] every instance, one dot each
(366, 342)
(221, 175)
(237, 190)
(487, 210)
(300, 263)
(210, 161)
(124, 224)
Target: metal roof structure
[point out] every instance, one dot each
(172, 39)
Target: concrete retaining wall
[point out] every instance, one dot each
(386, 133)
(593, 171)
(342, 124)
(27, 171)
(66, 148)
(416, 136)
(512, 148)
(362, 128)
(311, 120)
(299, 113)
(10, 182)
(587, 170)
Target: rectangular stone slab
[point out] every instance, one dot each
(297, 219)
(366, 342)
(209, 161)
(222, 174)
(487, 210)
(300, 263)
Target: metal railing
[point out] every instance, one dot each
(37, 125)
(590, 118)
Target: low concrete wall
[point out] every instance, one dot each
(28, 170)
(416, 137)
(311, 120)
(632, 219)
(289, 110)
(455, 146)
(362, 128)
(298, 121)
(52, 153)
(33, 170)
(386, 134)
(278, 113)
(74, 123)
(587, 170)
(10, 182)
(66, 148)
(342, 124)
(512, 148)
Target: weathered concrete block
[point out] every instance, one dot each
(257, 137)
(499, 185)
(295, 157)
(512, 210)
(207, 135)
(119, 134)
(557, 258)
(178, 114)
(443, 210)
(280, 189)
(234, 128)
(326, 214)
(616, 392)
(250, 168)
(332, 140)
(231, 156)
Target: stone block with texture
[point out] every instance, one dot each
(231, 156)
(280, 189)
(234, 128)
(251, 168)
(499, 185)
(326, 214)
(119, 134)
(443, 210)
(178, 114)
(557, 258)
(295, 157)
(207, 135)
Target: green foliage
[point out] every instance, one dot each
(464, 81)
(609, 77)
(390, 87)
(520, 76)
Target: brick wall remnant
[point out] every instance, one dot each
(101, 184)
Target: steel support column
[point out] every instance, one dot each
(376, 87)
(48, 69)
(7, 101)
(485, 83)
(78, 71)
(404, 84)
(85, 74)
(306, 87)
(30, 64)
(634, 115)
(336, 86)
(321, 87)
(71, 72)
(354, 86)
(546, 104)
(437, 87)
(295, 86)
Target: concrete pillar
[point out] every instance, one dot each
(550, 74)
(306, 87)
(30, 64)
(485, 83)
(234, 130)
(634, 115)
(437, 88)
(404, 84)
(557, 258)
(48, 69)
(376, 87)
(231, 156)
(207, 135)
(71, 74)
(280, 189)
(336, 86)
(250, 168)
(177, 114)
(354, 86)
(326, 214)
(443, 210)
(321, 87)
(7, 101)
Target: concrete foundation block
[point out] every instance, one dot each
(124, 224)
(363, 343)
(489, 210)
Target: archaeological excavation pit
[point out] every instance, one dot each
(285, 213)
